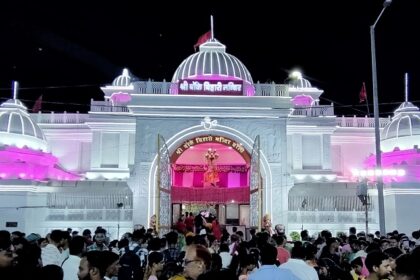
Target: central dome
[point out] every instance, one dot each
(212, 60)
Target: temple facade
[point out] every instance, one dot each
(141, 155)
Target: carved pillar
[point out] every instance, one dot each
(96, 156)
(297, 151)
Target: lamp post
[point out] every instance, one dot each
(379, 180)
(120, 205)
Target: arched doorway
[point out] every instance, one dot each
(260, 181)
(211, 174)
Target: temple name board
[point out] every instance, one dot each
(211, 87)
(211, 139)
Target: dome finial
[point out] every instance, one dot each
(406, 86)
(15, 89)
(211, 27)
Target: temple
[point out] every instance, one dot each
(210, 139)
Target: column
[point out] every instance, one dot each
(326, 151)
(96, 157)
(123, 151)
(297, 151)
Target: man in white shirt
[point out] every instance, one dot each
(70, 265)
(51, 254)
(297, 265)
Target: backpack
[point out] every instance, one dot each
(130, 265)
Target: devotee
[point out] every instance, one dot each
(297, 265)
(70, 265)
(197, 261)
(99, 244)
(378, 265)
(268, 269)
(51, 254)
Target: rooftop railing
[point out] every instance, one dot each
(60, 118)
(361, 122)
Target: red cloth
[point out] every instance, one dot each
(282, 255)
(215, 195)
(202, 39)
(189, 222)
(362, 94)
(216, 230)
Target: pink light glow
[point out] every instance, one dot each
(25, 163)
(302, 100)
(194, 158)
(407, 160)
(120, 98)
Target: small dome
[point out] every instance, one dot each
(123, 80)
(296, 80)
(404, 129)
(17, 127)
(212, 59)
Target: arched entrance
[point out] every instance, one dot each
(211, 173)
(260, 175)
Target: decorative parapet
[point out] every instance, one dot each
(61, 118)
(361, 122)
(315, 111)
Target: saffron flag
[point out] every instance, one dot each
(202, 39)
(37, 106)
(362, 94)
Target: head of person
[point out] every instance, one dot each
(51, 272)
(87, 234)
(91, 266)
(77, 246)
(268, 255)
(57, 238)
(6, 249)
(111, 263)
(378, 263)
(385, 244)
(155, 262)
(100, 235)
(357, 265)
(298, 252)
(197, 261)
(280, 229)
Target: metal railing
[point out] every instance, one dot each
(89, 214)
(329, 217)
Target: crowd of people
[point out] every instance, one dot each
(198, 249)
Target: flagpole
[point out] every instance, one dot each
(406, 86)
(15, 89)
(211, 27)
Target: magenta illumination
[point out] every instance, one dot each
(28, 164)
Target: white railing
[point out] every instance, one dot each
(329, 217)
(316, 111)
(62, 118)
(89, 214)
(106, 106)
(361, 122)
(271, 89)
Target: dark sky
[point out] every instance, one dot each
(67, 50)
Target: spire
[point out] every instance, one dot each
(15, 89)
(406, 86)
(211, 27)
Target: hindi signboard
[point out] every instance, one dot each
(210, 87)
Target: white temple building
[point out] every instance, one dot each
(144, 151)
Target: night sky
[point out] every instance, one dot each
(67, 50)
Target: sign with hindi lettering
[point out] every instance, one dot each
(210, 87)
(211, 139)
